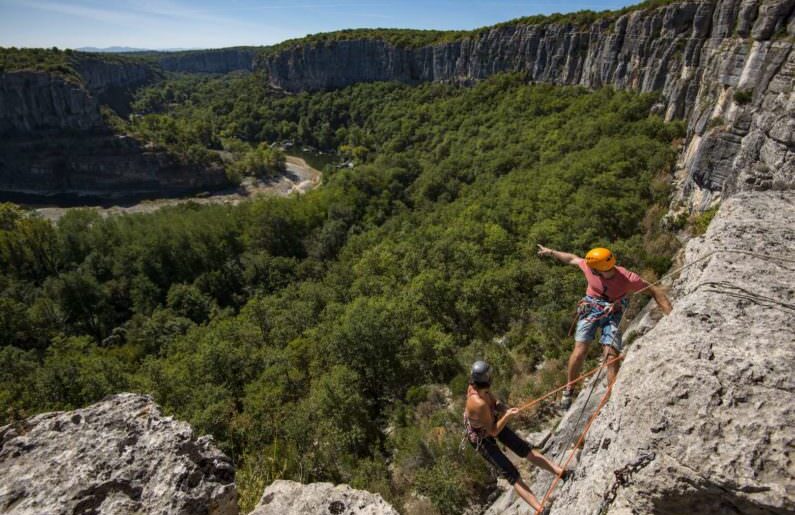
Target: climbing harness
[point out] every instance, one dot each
(473, 434)
(599, 309)
(623, 475)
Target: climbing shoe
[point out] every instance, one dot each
(565, 401)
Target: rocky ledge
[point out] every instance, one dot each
(117, 456)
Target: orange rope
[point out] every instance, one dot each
(591, 372)
(602, 403)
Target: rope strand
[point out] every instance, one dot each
(712, 253)
(580, 440)
(549, 394)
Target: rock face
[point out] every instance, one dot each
(32, 101)
(701, 417)
(113, 83)
(283, 497)
(223, 60)
(726, 66)
(95, 166)
(56, 142)
(117, 456)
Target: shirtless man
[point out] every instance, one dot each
(485, 426)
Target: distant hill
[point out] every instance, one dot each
(126, 49)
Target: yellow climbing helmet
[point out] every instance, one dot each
(600, 259)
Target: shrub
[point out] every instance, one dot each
(743, 97)
(701, 222)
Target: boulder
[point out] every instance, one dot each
(289, 497)
(117, 456)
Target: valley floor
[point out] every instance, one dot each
(299, 177)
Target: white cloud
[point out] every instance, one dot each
(91, 13)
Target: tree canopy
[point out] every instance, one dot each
(320, 337)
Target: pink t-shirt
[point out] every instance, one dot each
(615, 288)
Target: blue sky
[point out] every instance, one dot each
(213, 24)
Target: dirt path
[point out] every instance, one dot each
(299, 178)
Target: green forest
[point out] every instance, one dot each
(327, 337)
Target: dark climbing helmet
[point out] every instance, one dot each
(481, 372)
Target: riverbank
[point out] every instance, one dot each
(299, 177)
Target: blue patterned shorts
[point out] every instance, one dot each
(593, 314)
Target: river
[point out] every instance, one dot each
(299, 177)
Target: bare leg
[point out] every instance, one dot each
(576, 360)
(542, 462)
(524, 492)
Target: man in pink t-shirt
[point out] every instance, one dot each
(602, 307)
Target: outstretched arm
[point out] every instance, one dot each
(563, 257)
(661, 299)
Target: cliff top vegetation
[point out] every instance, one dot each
(417, 38)
(156, 55)
(62, 62)
(50, 60)
(54, 60)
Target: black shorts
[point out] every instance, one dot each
(488, 449)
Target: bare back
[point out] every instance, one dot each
(480, 409)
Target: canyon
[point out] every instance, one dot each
(726, 67)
